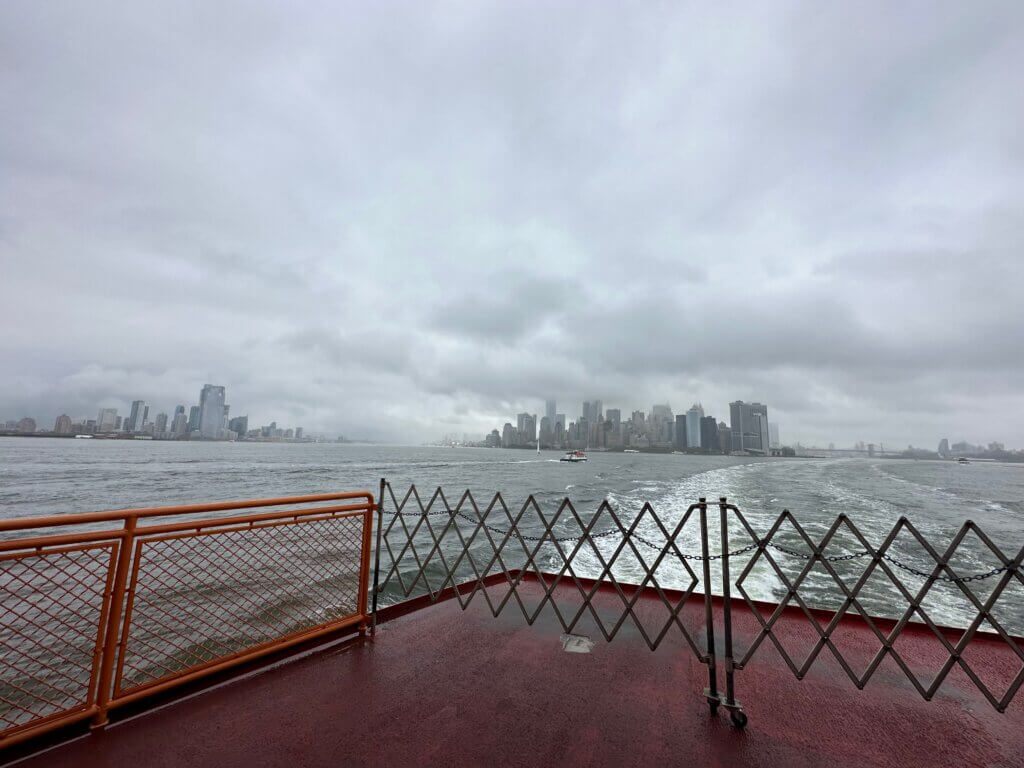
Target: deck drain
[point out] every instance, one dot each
(576, 643)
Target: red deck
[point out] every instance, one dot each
(440, 686)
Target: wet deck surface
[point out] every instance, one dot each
(445, 687)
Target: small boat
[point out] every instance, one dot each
(574, 456)
(963, 460)
(631, 450)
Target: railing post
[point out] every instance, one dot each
(376, 557)
(736, 713)
(711, 692)
(110, 641)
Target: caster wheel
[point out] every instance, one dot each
(739, 718)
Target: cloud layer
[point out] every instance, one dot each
(411, 218)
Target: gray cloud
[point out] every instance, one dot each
(407, 219)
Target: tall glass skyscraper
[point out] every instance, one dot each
(693, 417)
(211, 411)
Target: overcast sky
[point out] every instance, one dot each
(397, 220)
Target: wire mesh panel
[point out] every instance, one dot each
(54, 603)
(198, 598)
(428, 545)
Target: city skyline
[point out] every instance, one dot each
(210, 419)
(769, 430)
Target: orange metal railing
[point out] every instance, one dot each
(108, 614)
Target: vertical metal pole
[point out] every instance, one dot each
(730, 700)
(124, 555)
(376, 555)
(711, 692)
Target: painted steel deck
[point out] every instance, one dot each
(439, 686)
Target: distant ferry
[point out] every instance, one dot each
(963, 460)
(631, 450)
(83, 437)
(574, 456)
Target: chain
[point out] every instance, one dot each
(897, 563)
(763, 543)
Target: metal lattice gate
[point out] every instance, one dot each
(435, 548)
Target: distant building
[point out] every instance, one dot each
(679, 438)
(160, 424)
(614, 415)
(661, 412)
(211, 411)
(549, 411)
(593, 411)
(528, 433)
(773, 434)
(493, 440)
(298, 430)
(179, 426)
(193, 419)
(546, 433)
(107, 420)
(709, 435)
(761, 429)
(693, 433)
(240, 425)
(63, 425)
(944, 448)
(138, 415)
(749, 426)
(724, 437)
(27, 425)
(508, 436)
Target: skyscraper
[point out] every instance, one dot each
(107, 420)
(138, 415)
(63, 425)
(545, 431)
(211, 411)
(724, 437)
(193, 419)
(679, 438)
(179, 426)
(709, 434)
(521, 422)
(749, 426)
(773, 434)
(549, 411)
(693, 432)
(160, 424)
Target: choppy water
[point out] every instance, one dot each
(47, 476)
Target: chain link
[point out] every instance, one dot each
(760, 544)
